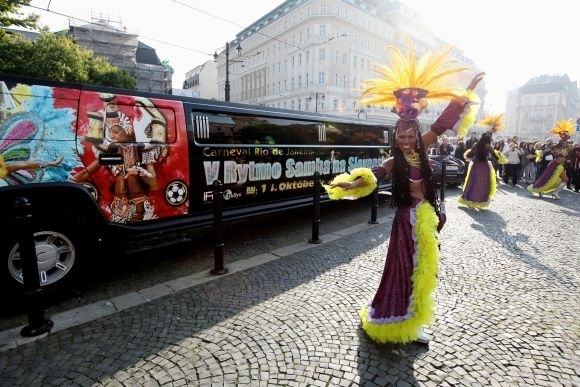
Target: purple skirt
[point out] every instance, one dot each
(477, 189)
(391, 301)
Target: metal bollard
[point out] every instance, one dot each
(443, 173)
(218, 251)
(316, 214)
(375, 206)
(37, 324)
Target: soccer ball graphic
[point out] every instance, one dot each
(176, 193)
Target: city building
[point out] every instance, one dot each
(202, 81)
(534, 108)
(313, 55)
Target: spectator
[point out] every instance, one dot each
(546, 156)
(529, 163)
(576, 168)
(445, 149)
(512, 167)
(471, 141)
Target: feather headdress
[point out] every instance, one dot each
(564, 126)
(494, 121)
(408, 83)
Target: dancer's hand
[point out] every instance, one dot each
(475, 80)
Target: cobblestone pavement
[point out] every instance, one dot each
(508, 315)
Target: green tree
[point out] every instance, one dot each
(57, 57)
(11, 16)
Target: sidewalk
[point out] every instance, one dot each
(11, 338)
(508, 314)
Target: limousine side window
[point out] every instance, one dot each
(252, 130)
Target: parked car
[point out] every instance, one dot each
(454, 170)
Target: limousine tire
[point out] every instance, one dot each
(58, 248)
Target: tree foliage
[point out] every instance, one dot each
(57, 57)
(11, 16)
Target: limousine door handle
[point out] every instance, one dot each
(110, 159)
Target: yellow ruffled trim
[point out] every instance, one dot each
(424, 281)
(492, 188)
(552, 184)
(367, 188)
(468, 119)
(492, 181)
(501, 158)
(3, 168)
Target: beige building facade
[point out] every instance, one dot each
(312, 55)
(533, 109)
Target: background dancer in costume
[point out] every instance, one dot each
(403, 303)
(554, 177)
(480, 183)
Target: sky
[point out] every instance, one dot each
(511, 41)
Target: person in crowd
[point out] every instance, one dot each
(403, 304)
(512, 167)
(445, 149)
(471, 141)
(539, 157)
(529, 163)
(501, 159)
(459, 153)
(576, 168)
(547, 156)
(480, 183)
(554, 176)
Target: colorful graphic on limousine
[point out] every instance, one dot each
(51, 134)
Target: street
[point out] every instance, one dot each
(507, 314)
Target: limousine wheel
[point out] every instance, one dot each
(56, 256)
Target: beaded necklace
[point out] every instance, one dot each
(413, 159)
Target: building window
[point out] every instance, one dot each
(323, 8)
(322, 54)
(321, 78)
(322, 31)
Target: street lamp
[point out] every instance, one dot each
(227, 84)
(316, 99)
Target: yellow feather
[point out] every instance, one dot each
(435, 73)
(564, 126)
(493, 121)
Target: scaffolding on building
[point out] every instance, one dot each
(109, 38)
